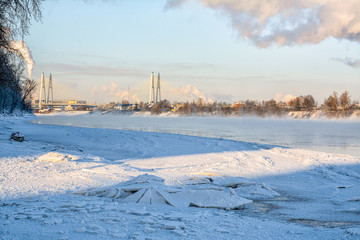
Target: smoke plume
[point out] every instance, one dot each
(113, 90)
(284, 97)
(188, 93)
(284, 22)
(20, 48)
(354, 63)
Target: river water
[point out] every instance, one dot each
(334, 136)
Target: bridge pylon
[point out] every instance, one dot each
(42, 91)
(50, 90)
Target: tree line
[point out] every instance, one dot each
(15, 18)
(332, 106)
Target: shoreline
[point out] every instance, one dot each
(310, 134)
(296, 115)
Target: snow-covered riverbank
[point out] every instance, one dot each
(70, 183)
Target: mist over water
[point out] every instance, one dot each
(333, 136)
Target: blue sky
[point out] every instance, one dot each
(97, 49)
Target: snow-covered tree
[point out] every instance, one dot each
(15, 19)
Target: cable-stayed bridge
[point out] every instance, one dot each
(158, 89)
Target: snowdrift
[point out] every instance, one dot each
(149, 189)
(55, 157)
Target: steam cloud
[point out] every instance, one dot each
(114, 90)
(169, 92)
(20, 48)
(284, 97)
(189, 92)
(354, 63)
(284, 22)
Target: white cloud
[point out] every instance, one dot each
(284, 22)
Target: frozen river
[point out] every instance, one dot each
(335, 136)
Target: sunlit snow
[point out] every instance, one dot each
(89, 183)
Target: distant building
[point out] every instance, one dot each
(127, 107)
(238, 105)
(63, 105)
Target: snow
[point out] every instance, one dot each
(150, 189)
(75, 183)
(55, 157)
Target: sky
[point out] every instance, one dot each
(223, 50)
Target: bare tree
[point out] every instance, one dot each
(331, 102)
(125, 102)
(28, 88)
(309, 102)
(345, 100)
(162, 106)
(296, 103)
(15, 20)
(271, 107)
